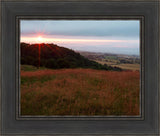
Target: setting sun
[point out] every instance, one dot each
(39, 39)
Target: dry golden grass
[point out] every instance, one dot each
(79, 92)
(128, 66)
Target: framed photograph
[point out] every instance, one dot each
(89, 70)
(80, 67)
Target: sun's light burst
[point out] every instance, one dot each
(39, 39)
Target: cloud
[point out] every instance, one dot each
(129, 28)
(116, 36)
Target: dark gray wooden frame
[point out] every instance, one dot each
(146, 10)
(67, 117)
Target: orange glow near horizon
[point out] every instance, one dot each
(41, 39)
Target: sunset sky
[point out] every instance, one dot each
(110, 36)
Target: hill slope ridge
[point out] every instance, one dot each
(55, 57)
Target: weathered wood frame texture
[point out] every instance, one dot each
(148, 10)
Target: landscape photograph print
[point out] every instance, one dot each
(79, 67)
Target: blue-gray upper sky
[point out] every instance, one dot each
(112, 36)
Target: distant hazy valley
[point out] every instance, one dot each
(127, 62)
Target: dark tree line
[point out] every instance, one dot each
(55, 57)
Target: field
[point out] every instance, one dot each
(125, 62)
(132, 67)
(78, 92)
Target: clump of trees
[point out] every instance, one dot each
(56, 57)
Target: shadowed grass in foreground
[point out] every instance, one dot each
(79, 92)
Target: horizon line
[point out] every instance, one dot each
(85, 50)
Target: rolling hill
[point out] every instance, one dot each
(56, 57)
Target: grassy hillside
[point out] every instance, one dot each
(78, 92)
(56, 57)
